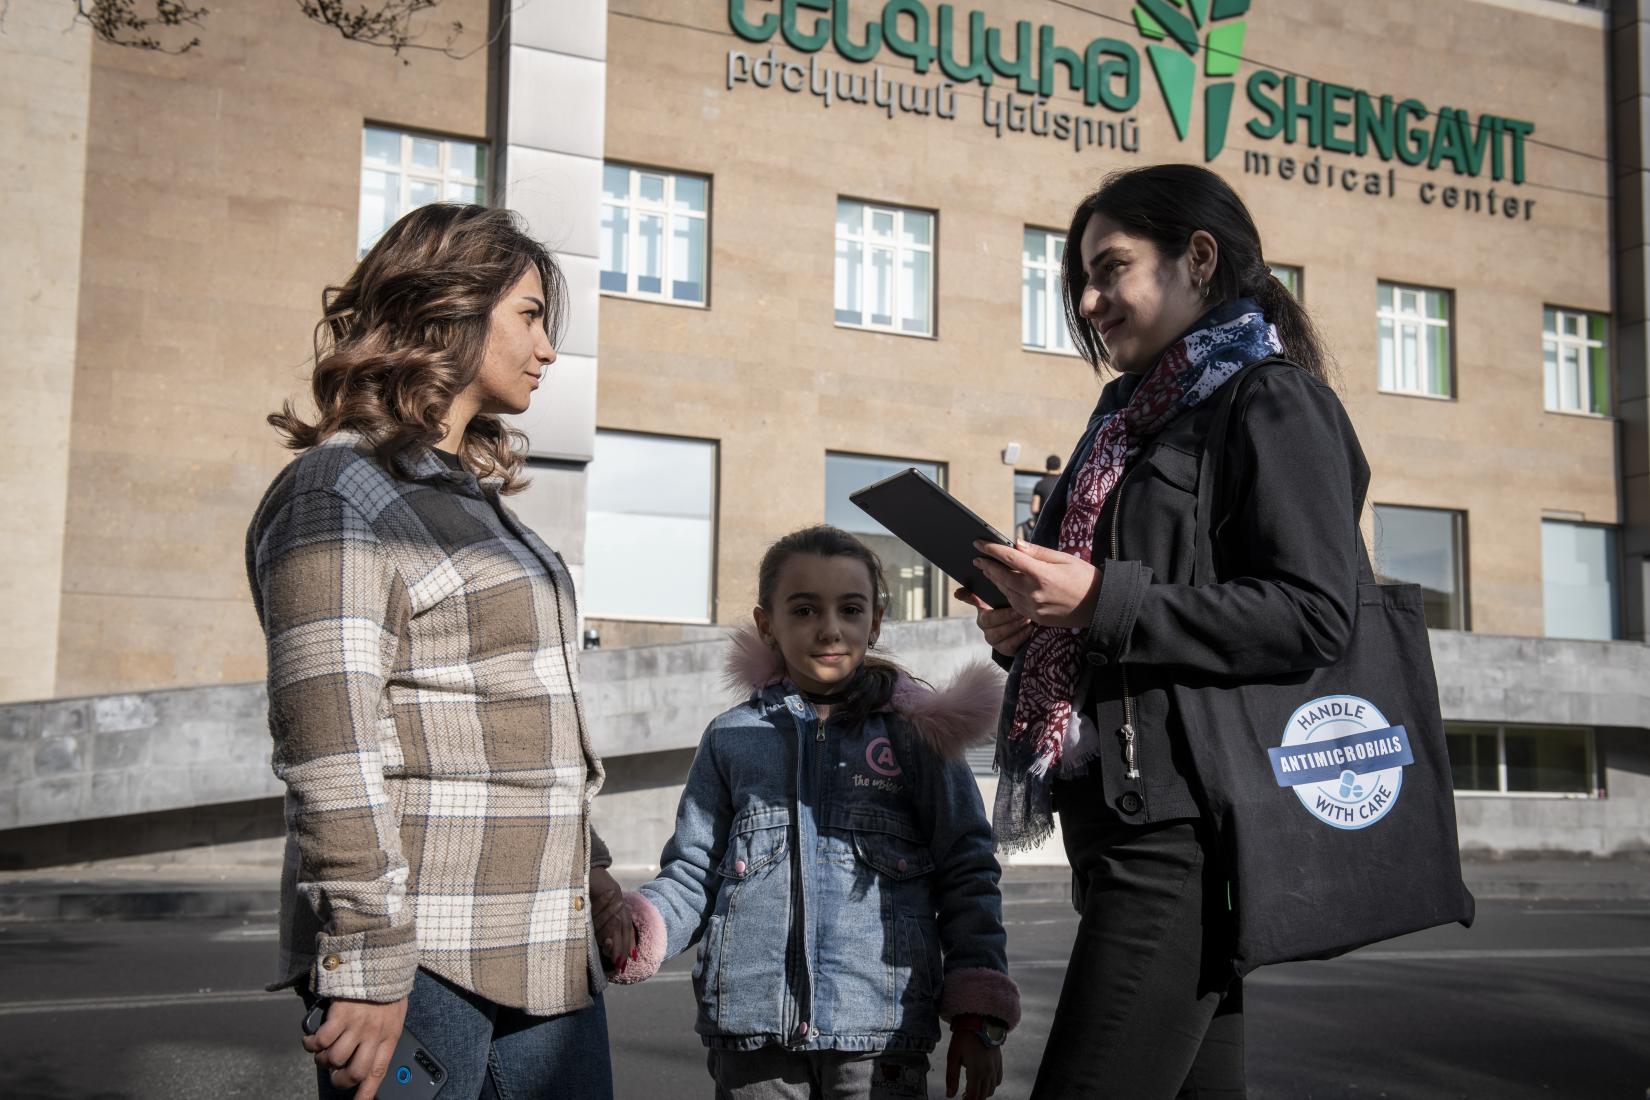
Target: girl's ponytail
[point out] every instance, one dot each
(1301, 342)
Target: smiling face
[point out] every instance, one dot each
(518, 350)
(823, 617)
(1139, 301)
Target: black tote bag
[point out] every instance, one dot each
(1330, 789)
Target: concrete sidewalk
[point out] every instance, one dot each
(134, 891)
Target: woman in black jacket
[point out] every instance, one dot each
(1166, 284)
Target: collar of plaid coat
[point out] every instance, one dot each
(419, 462)
(948, 720)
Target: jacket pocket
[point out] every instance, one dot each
(755, 842)
(893, 856)
(918, 954)
(707, 968)
(1177, 467)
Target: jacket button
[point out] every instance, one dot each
(802, 1029)
(331, 962)
(1096, 658)
(902, 866)
(739, 867)
(578, 903)
(1129, 803)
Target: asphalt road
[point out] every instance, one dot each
(1545, 1001)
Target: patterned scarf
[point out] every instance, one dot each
(1043, 737)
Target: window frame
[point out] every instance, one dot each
(1399, 317)
(1595, 786)
(1462, 558)
(1297, 274)
(866, 241)
(1054, 309)
(715, 506)
(936, 576)
(1584, 343)
(408, 172)
(1615, 560)
(664, 208)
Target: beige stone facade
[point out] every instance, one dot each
(219, 195)
(45, 80)
(767, 372)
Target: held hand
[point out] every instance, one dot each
(356, 1042)
(1005, 629)
(614, 930)
(1046, 586)
(984, 1065)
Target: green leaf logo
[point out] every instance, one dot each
(1180, 22)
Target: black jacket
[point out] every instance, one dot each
(1291, 487)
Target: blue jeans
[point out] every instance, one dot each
(495, 1053)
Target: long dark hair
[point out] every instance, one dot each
(406, 333)
(1167, 203)
(872, 687)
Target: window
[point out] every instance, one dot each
(1290, 277)
(1415, 351)
(1024, 485)
(913, 584)
(402, 171)
(1042, 300)
(1578, 580)
(1425, 546)
(651, 540)
(651, 221)
(884, 268)
(1576, 350)
(1550, 760)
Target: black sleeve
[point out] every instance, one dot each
(1288, 546)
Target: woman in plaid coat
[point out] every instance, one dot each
(423, 688)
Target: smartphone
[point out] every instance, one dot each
(414, 1072)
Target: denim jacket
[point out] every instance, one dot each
(840, 882)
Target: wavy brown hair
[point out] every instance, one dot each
(406, 333)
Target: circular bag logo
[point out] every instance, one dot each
(1344, 760)
(879, 755)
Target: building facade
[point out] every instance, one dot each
(809, 244)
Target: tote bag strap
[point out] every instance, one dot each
(1208, 474)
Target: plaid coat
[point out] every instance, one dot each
(423, 699)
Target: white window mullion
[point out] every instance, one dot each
(1501, 759)
(633, 272)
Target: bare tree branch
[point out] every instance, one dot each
(389, 25)
(119, 23)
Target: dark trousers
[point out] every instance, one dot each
(1149, 1009)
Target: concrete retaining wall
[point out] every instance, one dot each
(115, 756)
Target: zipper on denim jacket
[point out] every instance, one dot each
(796, 949)
(1127, 732)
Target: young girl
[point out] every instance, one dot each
(833, 856)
